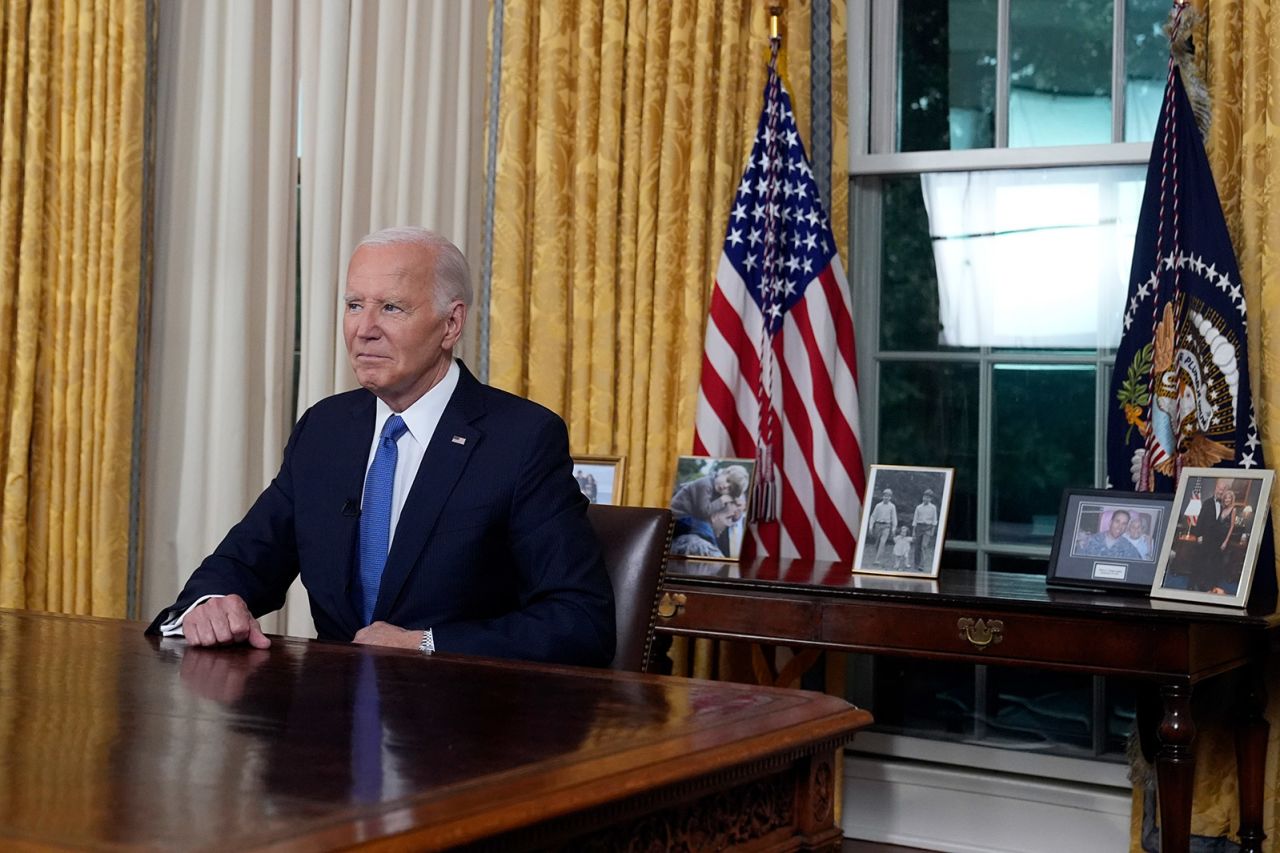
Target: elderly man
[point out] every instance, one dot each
(427, 510)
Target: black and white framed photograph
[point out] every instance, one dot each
(1109, 539)
(904, 519)
(1218, 518)
(709, 504)
(601, 478)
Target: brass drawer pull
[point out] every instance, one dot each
(981, 633)
(671, 605)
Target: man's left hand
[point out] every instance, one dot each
(386, 634)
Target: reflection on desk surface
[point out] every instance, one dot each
(895, 584)
(109, 738)
(810, 577)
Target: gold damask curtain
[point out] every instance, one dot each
(1241, 53)
(622, 129)
(1238, 47)
(71, 186)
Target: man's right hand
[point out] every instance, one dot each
(222, 621)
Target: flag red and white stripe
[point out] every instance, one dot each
(779, 373)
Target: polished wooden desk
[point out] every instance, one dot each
(1008, 620)
(109, 739)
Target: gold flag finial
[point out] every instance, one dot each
(775, 12)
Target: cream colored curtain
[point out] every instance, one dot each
(221, 357)
(390, 113)
(622, 130)
(385, 134)
(72, 100)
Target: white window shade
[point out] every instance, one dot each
(1033, 258)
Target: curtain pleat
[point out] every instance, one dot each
(621, 134)
(219, 406)
(71, 183)
(389, 129)
(1242, 63)
(1238, 48)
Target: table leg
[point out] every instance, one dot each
(1175, 768)
(1251, 755)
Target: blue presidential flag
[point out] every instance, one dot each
(1180, 394)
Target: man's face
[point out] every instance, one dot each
(398, 341)
(1119, 520)
(1135, 527)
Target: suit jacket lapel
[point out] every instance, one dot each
(442, 466)
(351, 455)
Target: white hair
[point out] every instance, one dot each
(452, 275)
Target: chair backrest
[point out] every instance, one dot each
(635, 542)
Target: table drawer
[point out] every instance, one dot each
(986, 634)
(775, 619)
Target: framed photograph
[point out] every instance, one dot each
(1218, 518)
(709, 502)
(1109, 539)
(904, 518)
(600, 477)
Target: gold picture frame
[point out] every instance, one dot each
(602, 479)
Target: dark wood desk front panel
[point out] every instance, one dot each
(113, 740)
(1004, 620)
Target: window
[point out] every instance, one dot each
(1000, 150)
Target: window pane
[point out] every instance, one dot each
(1058, 712)
(947, 75)
(1017, 564)
(1042, 442)
(909, 283)
(923, 698)
(954, 559)
(929, 416)
(1052, 712)
(1146, 64)
(1059, 72)
(1023, 258)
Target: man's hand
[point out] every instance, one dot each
(221, 621)
(384, 634)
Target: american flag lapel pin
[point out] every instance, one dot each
(457, 439)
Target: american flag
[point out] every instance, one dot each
(779, 376)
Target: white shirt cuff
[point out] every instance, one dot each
(173, 628)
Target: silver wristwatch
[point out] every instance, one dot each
(428, 644)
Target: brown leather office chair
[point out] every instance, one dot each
(635, 542)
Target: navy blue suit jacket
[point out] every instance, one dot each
(493, 550)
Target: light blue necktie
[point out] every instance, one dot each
(375, 514)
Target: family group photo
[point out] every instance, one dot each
(904, 520)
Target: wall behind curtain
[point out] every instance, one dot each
(72, 103)
(621, 133)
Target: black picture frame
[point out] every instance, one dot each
(1084, 552)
